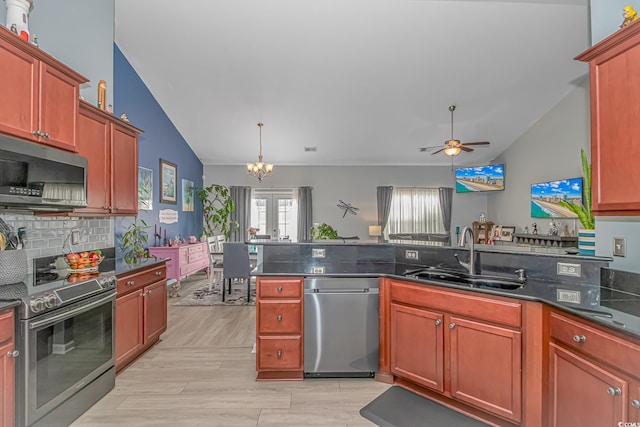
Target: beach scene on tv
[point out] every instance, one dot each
(480, 178)
(546, 197)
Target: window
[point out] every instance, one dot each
(414, 210)
(275, 213)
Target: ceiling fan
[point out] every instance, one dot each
(452, 147)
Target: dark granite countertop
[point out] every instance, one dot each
(616, 309)
(4, 305)
(126, 267)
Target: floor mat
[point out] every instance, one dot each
(398, 407)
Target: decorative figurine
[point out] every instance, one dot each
(565, 231)
(553, 229)
(534, 228)
(526, 229)
(629, 14)
(14, 29)
(124, 117)
(110, 109)
(102, 95)
(483, 218)
(34, 40)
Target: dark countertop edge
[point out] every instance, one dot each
(122, 268)
(5, 305)
(507, 294)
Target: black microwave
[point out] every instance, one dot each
(36, 177)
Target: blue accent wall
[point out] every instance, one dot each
(160, 140)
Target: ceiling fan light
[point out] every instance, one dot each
(452, 151)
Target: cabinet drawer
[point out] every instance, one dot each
(490, 308)
(6, 327)
(196, 252)
(279, 353)
(596, 343)
(279, 317)
(140, 279)
(280, 287)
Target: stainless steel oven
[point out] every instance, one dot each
(63, 352)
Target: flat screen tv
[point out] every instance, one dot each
(480, 178)
(545, 198)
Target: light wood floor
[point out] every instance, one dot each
(203, 374)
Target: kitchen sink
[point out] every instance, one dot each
(463, 278)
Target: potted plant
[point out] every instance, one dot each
(586, 235)
(217, 207)
(134, 241)
(323, 232)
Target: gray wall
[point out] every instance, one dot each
(80, 34)
(606, 17)
(355, 185)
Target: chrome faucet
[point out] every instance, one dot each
(471, 265)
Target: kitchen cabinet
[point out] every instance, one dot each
(111, 148)
(279, 326)
(593, 375)
(466, 347)
(40, 95)
(614, 68)
(183, 260)
(8, 354)
(141, 313)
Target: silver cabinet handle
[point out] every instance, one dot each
(279, 354)
(131, 283)
(614, 391)
(635, 403)
(36, 133)
(158, 273)
(579, 338)
(14, 353)
(46, 134)
(438, 322)
(279, 288)
(279, 317)
(452, 325)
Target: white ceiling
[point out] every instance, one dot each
(367, 82)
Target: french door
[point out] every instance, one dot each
(275, 213)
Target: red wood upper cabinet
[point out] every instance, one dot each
(39, 94)
(614, 66)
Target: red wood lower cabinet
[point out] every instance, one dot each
(7, 369)
(141, 313)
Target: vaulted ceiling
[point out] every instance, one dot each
(366, 82)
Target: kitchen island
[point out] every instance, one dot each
(524, 350)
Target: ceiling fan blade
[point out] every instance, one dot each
(463, 148)
(476, 143)
(424, 149)
(436, 152)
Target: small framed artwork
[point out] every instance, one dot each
(506, 233)
(187, 195)
(496, 233)
(168, 182)
(145, 189)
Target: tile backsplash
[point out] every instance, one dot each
(46, 235)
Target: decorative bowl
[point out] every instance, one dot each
(83, 261)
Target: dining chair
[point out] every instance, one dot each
(236, 266)
(216, 259)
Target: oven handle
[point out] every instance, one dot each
(71, 313)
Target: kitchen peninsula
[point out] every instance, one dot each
(524, 356)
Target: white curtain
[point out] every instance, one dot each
(415, 210)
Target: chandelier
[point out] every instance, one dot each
(260, 169)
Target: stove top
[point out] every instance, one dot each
(53, 285)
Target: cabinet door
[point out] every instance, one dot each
(155, 311)
(19, 89)
(417, 347)
(129, 341)
(124, 154)
(59, 106)
(94, 144)
(634, 402)
(7, 370)
(579, 392)
(486, 364)
(279, 317)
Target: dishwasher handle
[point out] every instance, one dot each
(343, 291)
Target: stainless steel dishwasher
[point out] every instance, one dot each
(340, 327)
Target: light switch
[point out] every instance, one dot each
(619, 246)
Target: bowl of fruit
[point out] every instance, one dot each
(84, 261)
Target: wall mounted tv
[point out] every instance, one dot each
(546, 195)
(480, 178)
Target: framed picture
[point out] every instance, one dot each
(496, 233)
(506, 233)
(188, 193)
(168, 182)
(145, 189)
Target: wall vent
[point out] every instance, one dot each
(310, 149)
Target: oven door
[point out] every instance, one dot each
(64, 350)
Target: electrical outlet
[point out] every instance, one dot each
(317, 253)
(409, 254)
(619, 246)
(317, 270)
(567, 269)
(75, 237)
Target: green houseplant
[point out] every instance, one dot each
(584, 211)
(217, 207)
(323, 232)
(134, 240)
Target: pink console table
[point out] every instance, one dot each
(184, 260)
